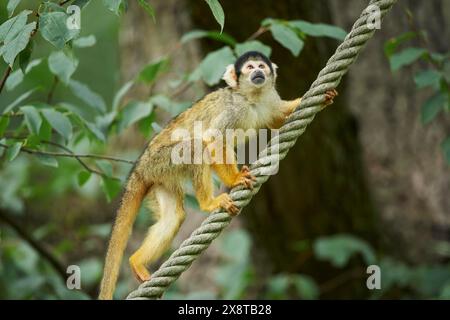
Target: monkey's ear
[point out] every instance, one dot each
(274, 67)
(230, 76)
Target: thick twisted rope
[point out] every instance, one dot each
(311, 104)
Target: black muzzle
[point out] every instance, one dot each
(258, 77)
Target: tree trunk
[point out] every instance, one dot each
(408, 175)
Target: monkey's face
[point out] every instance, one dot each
(252, 70)
(256, 73)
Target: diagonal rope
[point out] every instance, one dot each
(311, 104)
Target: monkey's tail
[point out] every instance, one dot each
(132, 198)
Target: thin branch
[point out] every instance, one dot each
(69, 155)
(57, 265)
(61, 3)
(258, 32)
(181, 89)
(5, 77)
(341, 279)
(421, 36)
(83, 164)
(44, 252)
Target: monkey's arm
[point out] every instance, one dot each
(286, 107)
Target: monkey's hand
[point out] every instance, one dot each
(329, 96)
(245, 178)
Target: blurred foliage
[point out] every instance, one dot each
(58, 116)
(433, 76)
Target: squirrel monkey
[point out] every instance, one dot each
(250, 101)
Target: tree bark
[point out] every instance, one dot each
(408, 175)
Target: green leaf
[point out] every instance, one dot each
(11, 28)
(306, 287)
(32, 119)
(445, 292)
(46, 131)
(150, 71)
(115, 6)
(287, 38)
(278, 286)
(12, 4)
(53, 28)
(47, 160)
(217, 12)
(85, 42)
(32, 64)
(83, 177)
(405, 57)
(48, 6)
(156, 127)
(319, 29)
(218, 36)
(91, 269)
(445, 148)
(14, 80)
(253, 45)
(32, 141)
(392, 44)
(4, 122)
(148, 8)
(19, 100)
(338, 249)
(95, 131)
(25, 55)
(163, 102)
(87, 128)
(427, 78)
(432, 106)
(213, 66)
(268, 22)
(105, 166)
(111, 187)
(59, 122)
(12, 48)
(13, 151)
(62, 65)
(120, 94)
(133, 112)
(81, 3)
(84, 93)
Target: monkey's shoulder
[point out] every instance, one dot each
(203, 110)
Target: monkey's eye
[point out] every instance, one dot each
(261, 66)
(250, 67)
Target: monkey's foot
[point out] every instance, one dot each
(245, 178)
(227, 203)
(140, 271)
(329, 96)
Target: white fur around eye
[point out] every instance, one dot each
(230, 76)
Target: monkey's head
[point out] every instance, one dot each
(252, 70)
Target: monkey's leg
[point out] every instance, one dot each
(229, 173)
(231, 176)
(170, 215)
(204, 191)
